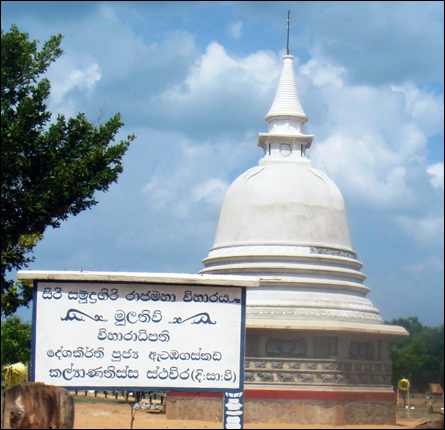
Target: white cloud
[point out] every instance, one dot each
(235, 30)
(214, 63)
(221, 94)
(360, 172)
(108, 12)
(323, 74)
(191, 183)
(217, 69)
(263, 68)
(67, 78)
(161, 194)
(433, 264)
(372, 140)
(427, 231)
(133, 66)
(426, 108)
(436, 173)
(212, 191)
(380, 42)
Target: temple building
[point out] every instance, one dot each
(317, 349)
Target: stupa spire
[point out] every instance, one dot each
(287, 101)
(285, 140)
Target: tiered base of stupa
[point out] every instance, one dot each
(307, 377)
(317, 350)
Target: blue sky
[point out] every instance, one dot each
(194, 80)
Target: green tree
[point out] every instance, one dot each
(409, 360)
(418, 357)
(49, 169)
(15, 341)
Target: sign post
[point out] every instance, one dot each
(233, 410)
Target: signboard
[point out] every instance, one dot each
(138, 336)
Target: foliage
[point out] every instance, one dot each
(408, 360)
(49, 169)
(15, 341)
(419, 357)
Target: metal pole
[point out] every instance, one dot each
(288, 15)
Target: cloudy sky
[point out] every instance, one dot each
(194, 80)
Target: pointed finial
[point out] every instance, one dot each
(288, 15)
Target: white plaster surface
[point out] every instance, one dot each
(285, 222)
(287, 101)
(283, 205)
(143, 277)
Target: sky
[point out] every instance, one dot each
(194, 80)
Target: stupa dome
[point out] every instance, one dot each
(283, 204)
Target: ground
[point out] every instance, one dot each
(99, 413)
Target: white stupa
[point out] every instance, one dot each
(312, 334)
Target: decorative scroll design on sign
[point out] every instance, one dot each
(75, 314)
(202, 318)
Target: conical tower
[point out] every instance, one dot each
(313, 337)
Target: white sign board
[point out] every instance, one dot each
(112, 335)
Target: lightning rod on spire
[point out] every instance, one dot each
(288, 15)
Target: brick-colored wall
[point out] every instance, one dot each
(289, 410)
